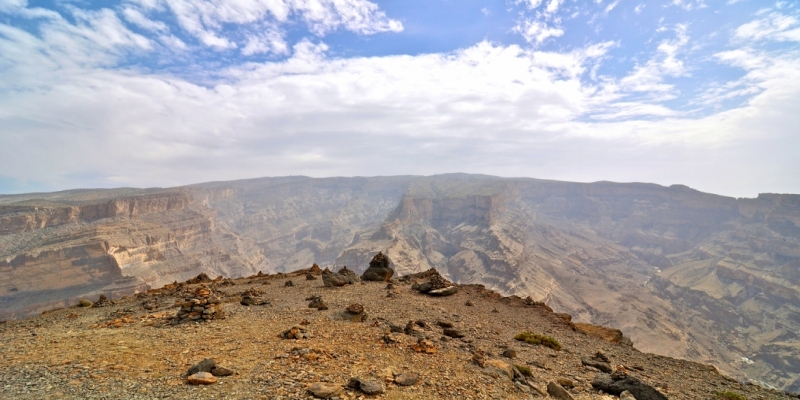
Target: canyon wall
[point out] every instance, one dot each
(680, 272)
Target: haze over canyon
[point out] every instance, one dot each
(682, 273)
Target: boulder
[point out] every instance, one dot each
(379, 270)
(600, 365)
(556, 391)
(203, 366)
(637, 388)
(341, 278)
(406, 379)
(325, 390)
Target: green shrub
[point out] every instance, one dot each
(728, 395)
(535, 338)
(84, 303)
(524, 370)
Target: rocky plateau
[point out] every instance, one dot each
(680, 273)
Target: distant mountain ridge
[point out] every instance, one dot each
(683, 273)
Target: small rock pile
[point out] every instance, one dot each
(294, 332)
(368, 386)
(317, 302)
(436, 286)
(341, 278)
(202, 278)
(252, 297)
(313, 272)
(206, 372)
(103, 301)
(379, 270)
(355, 312)
(424, 346)
(203, 305)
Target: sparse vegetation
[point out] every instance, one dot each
(728, 395)
(524, 370)
(84, 303)
(535, 338)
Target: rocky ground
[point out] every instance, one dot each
(400, 344)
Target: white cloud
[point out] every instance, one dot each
(689, 5)
(490, 108)
(639, 8)
(775, 26)
(205, 19)
(537, 32)
(269, 41)
(137, 18)
(649, 77)
(611, 6)
(552, 6)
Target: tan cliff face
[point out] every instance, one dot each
(114, 248)
(681, 272)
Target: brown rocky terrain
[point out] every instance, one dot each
(682, 273)
(375, 340)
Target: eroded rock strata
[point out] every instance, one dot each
(679, 272)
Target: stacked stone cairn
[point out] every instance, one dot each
(203, 305)
(379, 270)
(436, 286)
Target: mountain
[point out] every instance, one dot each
(682, 273)
(259, 337)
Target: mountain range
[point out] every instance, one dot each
(681, 273)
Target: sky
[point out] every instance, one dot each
(149, 93)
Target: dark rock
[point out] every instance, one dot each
(310, 277)
(639, 389)
(379, 270)
(203, 366)
(469, 303)
(453, 333)
(221, 371)
(557, 392)
(341, 278)
(289, 283)
(509, 353)
(444, 324)
(424, 287)
(371, 386)
(600, 365)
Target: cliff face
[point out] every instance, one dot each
(53, 254)
(682, 273)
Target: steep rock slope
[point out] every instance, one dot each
(52, 254)
(298, 221)
(683, 273)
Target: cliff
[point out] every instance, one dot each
(54, 254)
(682, 273)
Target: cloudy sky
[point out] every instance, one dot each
(168, 92)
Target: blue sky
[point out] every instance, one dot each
(169, 92)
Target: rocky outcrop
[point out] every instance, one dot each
(679, 272)
(114, 248)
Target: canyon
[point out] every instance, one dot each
(681, 273)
